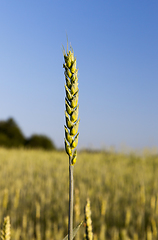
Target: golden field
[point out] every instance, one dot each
(122, 188)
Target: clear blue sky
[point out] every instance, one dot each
(116, 45)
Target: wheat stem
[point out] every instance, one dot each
(70, 225)
(72, 123)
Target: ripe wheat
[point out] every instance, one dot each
(5, 232)
(88, 222)
(71, 104)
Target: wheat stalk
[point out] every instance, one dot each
(72, 123)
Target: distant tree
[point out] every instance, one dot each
(10, 134)
(4, 140)
(40, 141)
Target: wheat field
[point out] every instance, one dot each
(122, 188)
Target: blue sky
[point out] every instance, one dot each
(115, 43)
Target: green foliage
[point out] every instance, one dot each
(39, 141)
(12, 137)
(10, 134)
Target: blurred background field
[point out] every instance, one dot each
(123, 190)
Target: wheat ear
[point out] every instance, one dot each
(5, 232)
(72, 123)
(88, 222)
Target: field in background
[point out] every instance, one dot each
(123, 190)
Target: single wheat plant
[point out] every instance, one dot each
(72, 123)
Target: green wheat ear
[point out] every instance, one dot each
(71, 104)
(5, 232)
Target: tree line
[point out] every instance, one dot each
(11, 136)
